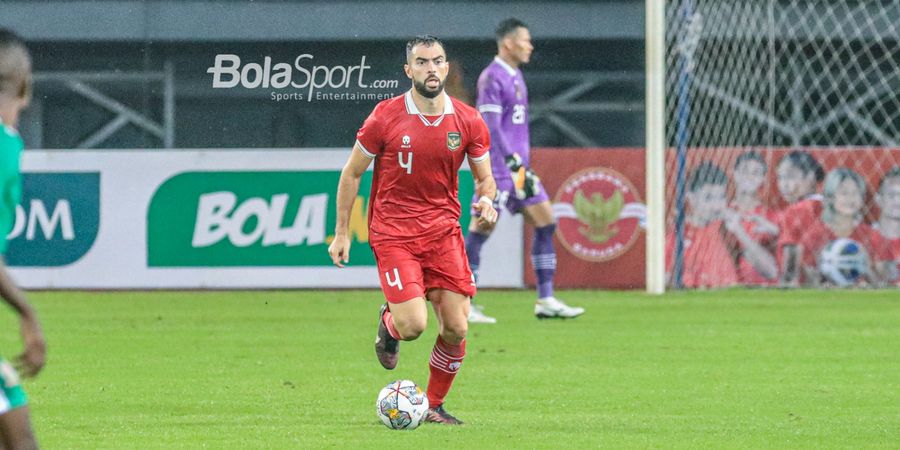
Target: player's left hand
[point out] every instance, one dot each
(31, 361)
(485, 211)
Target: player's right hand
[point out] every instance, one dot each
(31, 361)
(340, 250)
(485, 211)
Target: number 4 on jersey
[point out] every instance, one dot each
(406, 165)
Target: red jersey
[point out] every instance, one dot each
(417, 161)
(707, 261)
(794, 219)
(895, 257)
(746, 272)
(894, 247)
(816, 235)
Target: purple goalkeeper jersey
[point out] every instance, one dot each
(503, 103)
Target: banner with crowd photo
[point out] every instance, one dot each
(598, 200)
(865, 257)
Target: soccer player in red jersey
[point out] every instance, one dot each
(755, 246)
(844, 193)
(418, 142)
(798, 175)
(888, 226)
(707, 262)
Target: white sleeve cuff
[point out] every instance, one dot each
(481, 158)
(490, 108)
(362, 148)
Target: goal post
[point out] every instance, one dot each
(655, 144)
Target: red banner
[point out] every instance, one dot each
(598, 198)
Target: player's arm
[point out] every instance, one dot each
(764, 225)
(348, 188)
(525, 180)
(30, 362)
(485, 189)
(881, 261)
(499, 142)
(490, 105)
(758, 256)
(792, 225)
(790, 254)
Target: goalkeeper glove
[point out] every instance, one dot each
(526, 182)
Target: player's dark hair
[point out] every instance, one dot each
(805, 162)
(706, 173)
(893, 173)
(426, 40)
(8, 38)
(752, 155)
(508, 26)
(15, 65)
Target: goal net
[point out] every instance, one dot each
(774, 111)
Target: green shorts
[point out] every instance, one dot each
(11, 393)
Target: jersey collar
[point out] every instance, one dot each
(411, 108)
(8, 129)
(504, 65)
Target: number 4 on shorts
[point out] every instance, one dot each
(396, 281)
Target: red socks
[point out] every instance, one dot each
(445, 362)
(388, 320)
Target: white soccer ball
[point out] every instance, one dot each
(401, 405)
(843, 261)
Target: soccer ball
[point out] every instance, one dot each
(843, 261)
(401, 405)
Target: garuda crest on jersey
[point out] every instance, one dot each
(453, 140)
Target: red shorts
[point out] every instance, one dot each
(409, 269)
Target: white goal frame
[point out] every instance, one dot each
(655, 46)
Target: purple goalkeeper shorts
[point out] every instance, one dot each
(506, 197)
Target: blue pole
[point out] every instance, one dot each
(681, 139)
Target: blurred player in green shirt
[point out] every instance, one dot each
(15, 93)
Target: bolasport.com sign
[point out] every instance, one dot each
(303, 79)
(222, 219)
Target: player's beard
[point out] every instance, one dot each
(422, 89)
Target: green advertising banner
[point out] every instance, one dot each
(57, 221)
(222, 219)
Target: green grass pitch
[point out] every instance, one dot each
(729, 369)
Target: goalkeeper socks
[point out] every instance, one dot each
(445, 362)
(388, 320)
(543, 258)
(474, 241)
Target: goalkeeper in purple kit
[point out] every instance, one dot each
(503, 103)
